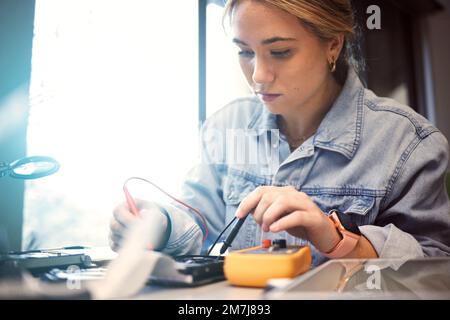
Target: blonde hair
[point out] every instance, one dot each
(326, 19)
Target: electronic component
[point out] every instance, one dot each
(41, 260)
(178, 271)
(196, 270)
(254, 266)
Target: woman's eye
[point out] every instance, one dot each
(281, 54)
(245, 53)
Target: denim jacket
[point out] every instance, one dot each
(373, 159)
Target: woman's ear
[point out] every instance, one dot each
(334, 47)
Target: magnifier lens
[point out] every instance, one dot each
(33, 167)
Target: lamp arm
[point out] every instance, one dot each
(4, 168)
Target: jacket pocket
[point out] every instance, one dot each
(238, 184)
(360, 209)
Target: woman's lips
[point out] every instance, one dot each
(268, 97)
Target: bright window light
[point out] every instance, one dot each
(114, 94)
(224, 78)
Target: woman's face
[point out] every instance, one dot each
(284, 63)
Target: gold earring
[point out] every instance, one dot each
(333, 66)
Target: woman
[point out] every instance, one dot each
(343, 156)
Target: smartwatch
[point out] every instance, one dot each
(348, 241)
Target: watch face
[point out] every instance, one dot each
(347, 223)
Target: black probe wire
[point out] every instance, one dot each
(220, 235)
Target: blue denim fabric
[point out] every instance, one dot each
(371, 158)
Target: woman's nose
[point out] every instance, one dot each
(262, 73)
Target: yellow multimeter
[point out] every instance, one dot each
(253, 267)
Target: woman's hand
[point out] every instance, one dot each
(122, 219)
(286, 209)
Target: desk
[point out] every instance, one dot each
(217, 291)
(350, 279)
(427, 278)
(381, 279)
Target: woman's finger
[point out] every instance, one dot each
(295, 219)
(285, 202)
(280, 207)
(115, 226)
(264, 203)
(250, 202)
(115, 240)
(123, 216)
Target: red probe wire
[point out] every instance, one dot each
(133, 208)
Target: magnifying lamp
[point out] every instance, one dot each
(29, 167)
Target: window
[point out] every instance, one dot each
(113, 94)
(224, 79)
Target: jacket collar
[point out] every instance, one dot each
(340, 129)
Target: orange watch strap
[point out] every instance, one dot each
(348, 242)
